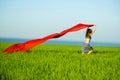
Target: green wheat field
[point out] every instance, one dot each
(60, 62)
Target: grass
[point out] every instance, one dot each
(60, 62)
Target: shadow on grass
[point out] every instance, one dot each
(55, 51)
(104, 52)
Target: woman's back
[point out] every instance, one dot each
(87, 40)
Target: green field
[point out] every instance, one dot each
(60, 62)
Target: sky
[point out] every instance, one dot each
(32, 19)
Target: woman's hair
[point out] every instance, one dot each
(88, 33)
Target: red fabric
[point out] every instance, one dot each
(22, 47)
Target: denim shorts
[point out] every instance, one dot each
(86, 48)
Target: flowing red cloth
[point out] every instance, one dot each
(22, 47)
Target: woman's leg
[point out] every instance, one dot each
(89, 52)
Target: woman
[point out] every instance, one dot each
(86, 48)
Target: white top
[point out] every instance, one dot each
(87, 40)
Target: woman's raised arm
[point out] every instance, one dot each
(94, 29)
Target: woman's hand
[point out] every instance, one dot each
(94, 25)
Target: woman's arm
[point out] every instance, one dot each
(94, 29)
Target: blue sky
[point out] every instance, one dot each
(37, 18)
